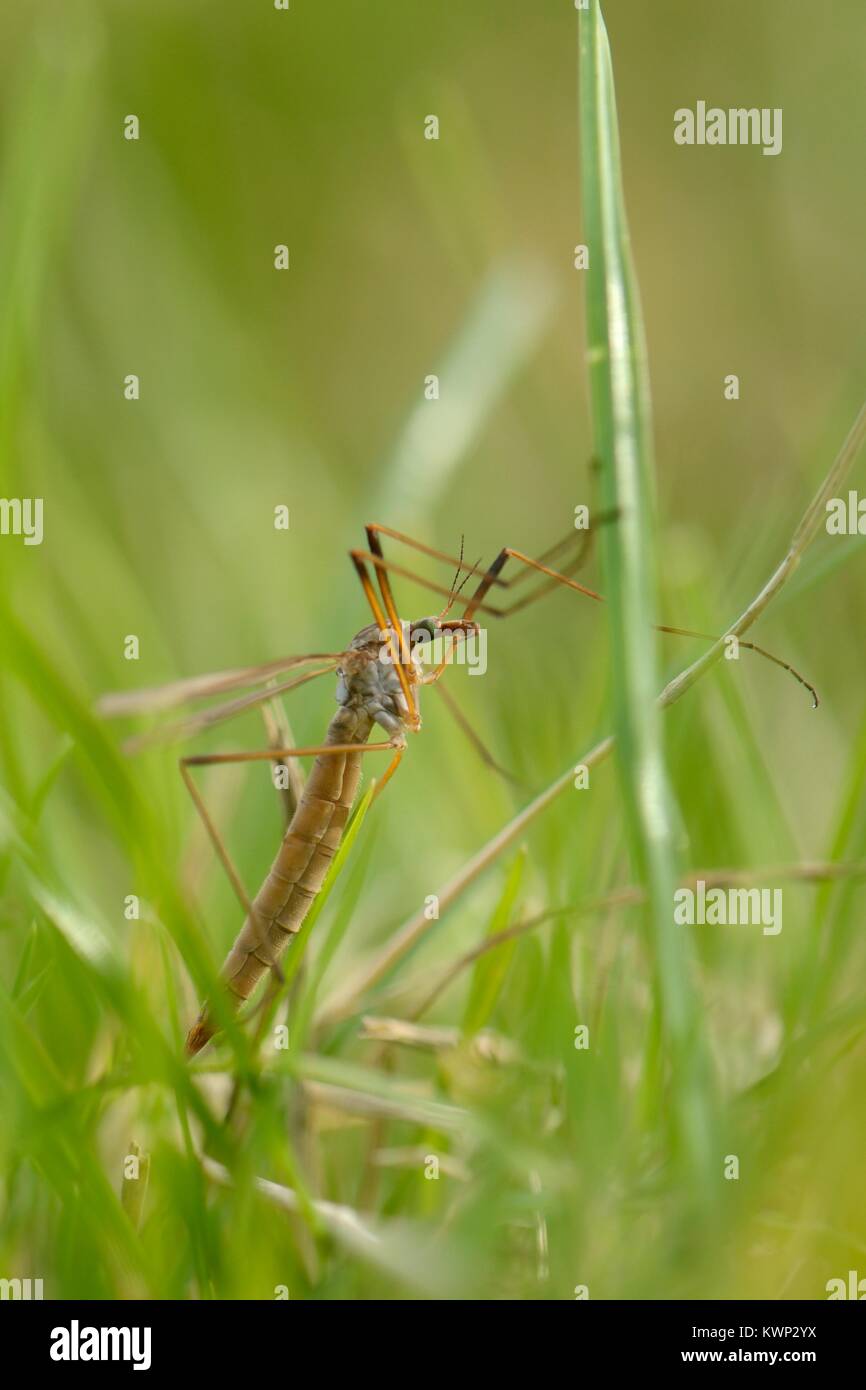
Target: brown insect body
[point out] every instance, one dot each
(368, 692)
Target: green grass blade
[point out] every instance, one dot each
(623, 445)
(490, 971)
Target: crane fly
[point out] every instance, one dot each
(379, 676)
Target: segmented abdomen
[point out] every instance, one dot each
(298, 871)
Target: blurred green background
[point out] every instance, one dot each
(306, 388)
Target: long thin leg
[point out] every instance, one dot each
(508, 554)
(752, 647)
(489, 577)
(388, 773)
(382, 563)
(393, 633)
(583, 539)
(228, 864)
(453, 706)
(279, 735)
(393, 618)
(263, 755)
(432, 678)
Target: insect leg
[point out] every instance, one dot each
(279, 734)
(391, 629)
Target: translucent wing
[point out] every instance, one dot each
(156, 698)
(159, 698)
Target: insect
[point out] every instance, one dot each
(379, 677)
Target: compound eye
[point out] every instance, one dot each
(423, 631)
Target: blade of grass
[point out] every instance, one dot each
(400, 1249)
(490, 970)
(622, 426)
